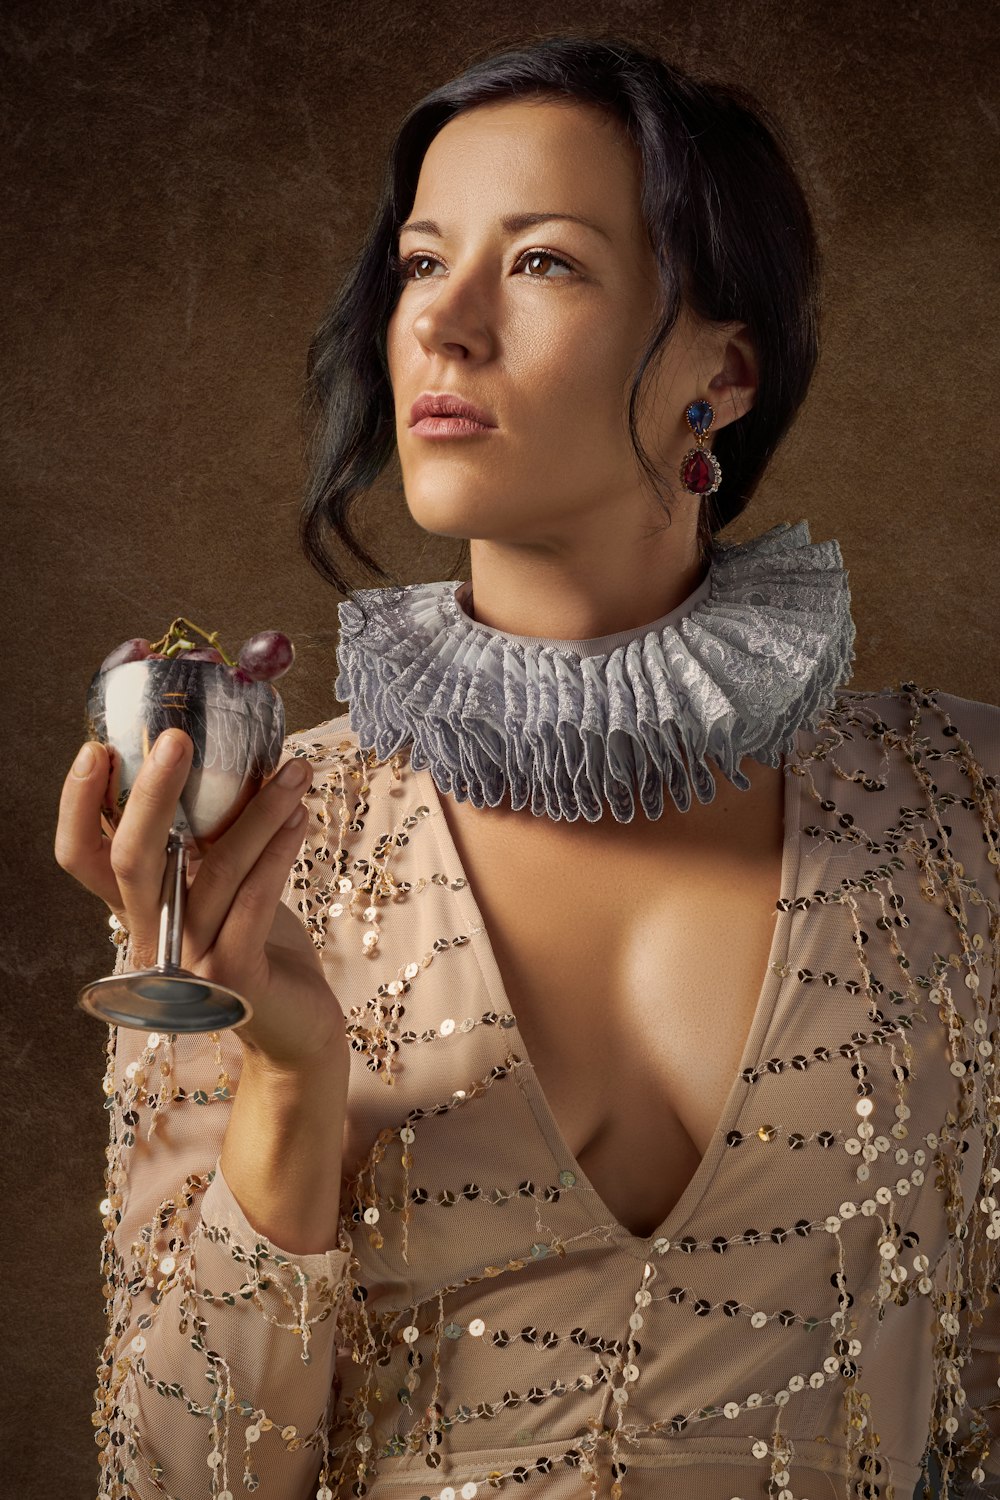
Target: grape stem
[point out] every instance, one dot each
(175, 640)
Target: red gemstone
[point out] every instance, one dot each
(697, 473)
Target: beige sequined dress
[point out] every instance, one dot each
(817, 1309)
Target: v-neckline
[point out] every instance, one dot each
(760, 1026)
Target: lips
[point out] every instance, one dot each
(443, 405)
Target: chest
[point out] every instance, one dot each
(633, 957)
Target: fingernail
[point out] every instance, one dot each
(84, 763)
(293, 772)
(168, 749)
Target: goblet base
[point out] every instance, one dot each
(164, 998)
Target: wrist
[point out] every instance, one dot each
(293, 1073)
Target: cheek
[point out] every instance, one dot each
(571, 377)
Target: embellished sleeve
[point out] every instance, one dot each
(218, 1372)
(971, 1434)
(966, 1429)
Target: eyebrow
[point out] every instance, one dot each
(512, 223)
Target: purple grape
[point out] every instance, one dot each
(202, 653)
(264, 656)
(136, 649)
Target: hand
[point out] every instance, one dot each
(237, 929)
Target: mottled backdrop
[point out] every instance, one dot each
(183, 185)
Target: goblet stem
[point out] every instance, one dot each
(167, 997)
(173, 902)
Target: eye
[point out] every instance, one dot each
(548, 255)
(402, 267)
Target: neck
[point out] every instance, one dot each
(552, 600)
(595, 645)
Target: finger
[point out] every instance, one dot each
(229, 861)
(139, 848)
(80, 848)
(251, 912)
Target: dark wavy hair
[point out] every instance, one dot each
(727, 219)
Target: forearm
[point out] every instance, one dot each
(202, 1305)
(282, 1154)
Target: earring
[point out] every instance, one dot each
(701, 472)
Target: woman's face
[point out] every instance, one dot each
(540, 326)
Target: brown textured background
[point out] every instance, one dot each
(183, 187)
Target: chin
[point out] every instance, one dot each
(458, 509)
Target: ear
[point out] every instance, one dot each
(732, 389)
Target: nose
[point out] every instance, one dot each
(455, 320)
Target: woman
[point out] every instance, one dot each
(617, 1113)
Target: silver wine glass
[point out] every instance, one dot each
(238, 731)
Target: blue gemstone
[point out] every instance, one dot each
(700, 417)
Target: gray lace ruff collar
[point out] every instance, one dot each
(565, 727)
